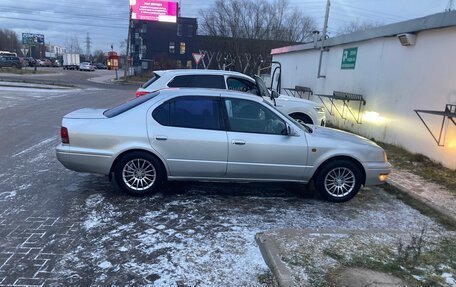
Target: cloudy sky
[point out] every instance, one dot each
(106, 21)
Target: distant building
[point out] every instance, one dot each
(55, 51)
(162, 45)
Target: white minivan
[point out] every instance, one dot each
(303, 111)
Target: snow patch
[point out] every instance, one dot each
(36, 146)
(105, 265)
(449, 279)
(7, 195)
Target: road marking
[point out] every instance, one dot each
(36, 146)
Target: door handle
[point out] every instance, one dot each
(238, 142)
(161, 138)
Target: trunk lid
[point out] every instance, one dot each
(87, 114)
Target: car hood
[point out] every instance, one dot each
(86, 114)
(333, 134)
(284, 99)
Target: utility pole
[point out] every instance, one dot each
(88, 43)
(450, 6)
(322, 48)
(127, 55)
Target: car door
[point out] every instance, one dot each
(259, 146)
(188, 132)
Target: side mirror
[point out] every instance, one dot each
(287, 130)
(274, 94)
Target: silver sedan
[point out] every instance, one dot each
(214, 135)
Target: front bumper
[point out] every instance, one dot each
(376, 172)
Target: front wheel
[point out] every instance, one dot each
(339, 180)
(139, 173)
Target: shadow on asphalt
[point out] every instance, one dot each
(99, 184)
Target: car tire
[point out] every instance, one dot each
(139, 173)
(302, 119)
(338, 180)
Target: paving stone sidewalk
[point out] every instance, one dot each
(434, 196)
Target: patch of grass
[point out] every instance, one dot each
(141, 78)
(266, 279)
(419, 261)
(420, 165)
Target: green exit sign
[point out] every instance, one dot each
(349, 58)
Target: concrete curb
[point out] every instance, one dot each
(271, 256)
(35, 87)
(425, 205)
(39, 85)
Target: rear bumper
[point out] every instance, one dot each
(83, 161)
(377, 172)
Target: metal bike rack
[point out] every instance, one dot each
(448, 114)
(299, 92)
(345, 98)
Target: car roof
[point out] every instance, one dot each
(198, 72)
(204, 92)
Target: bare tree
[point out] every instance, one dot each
(72, 45)
(357, 25)
(99, 56)
(257, 19)
(9, 41)
(242, 55)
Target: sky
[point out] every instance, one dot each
(107, 20)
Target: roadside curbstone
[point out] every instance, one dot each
(271, 256)
(423, 204)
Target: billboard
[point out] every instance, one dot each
(32, 39)
(154, 10)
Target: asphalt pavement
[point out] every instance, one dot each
(63, 228)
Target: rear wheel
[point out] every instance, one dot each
(339, 180)
(139, 173)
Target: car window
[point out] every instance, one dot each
(148, 83)
(252, 117)
(198, 81)
(190, 112)
(122, 108)
(242, 85)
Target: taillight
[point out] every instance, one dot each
(64, 135)
(139, 94)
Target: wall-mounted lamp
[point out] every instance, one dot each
(407, 39)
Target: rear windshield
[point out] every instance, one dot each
(122, 108)
(153, 79)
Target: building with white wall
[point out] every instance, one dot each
(393, 79)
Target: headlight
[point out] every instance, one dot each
(320, 110)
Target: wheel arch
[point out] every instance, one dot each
(342, 157)
(302, 114)
(122, 154)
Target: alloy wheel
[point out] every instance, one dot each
(340, 181)
(139, 174)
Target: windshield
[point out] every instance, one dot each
(303, 127)
(262, 87)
